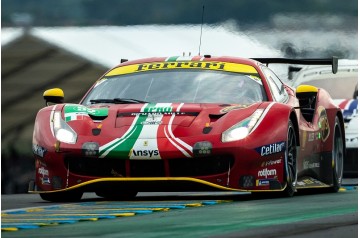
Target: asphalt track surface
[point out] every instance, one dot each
(186, 215)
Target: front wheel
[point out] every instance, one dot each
(290, 170)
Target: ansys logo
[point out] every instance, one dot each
(145, 153)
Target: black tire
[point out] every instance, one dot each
(116, 195)
(68, 196)
(337, 157)
(290, 170)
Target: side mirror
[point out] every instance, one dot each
(307, 96)
(306, 89)
(54, 95)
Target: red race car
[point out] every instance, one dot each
(198, 123)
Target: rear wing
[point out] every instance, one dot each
(326, 61)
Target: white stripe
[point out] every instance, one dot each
(51, 120)
(124, 137)
(262, 116)
(178, 147)
(171, 133)
(121, 141)
(184, 58)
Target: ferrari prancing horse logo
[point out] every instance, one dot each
(323, 123)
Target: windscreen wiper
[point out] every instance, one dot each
(117, 100)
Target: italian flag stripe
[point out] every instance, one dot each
(172, 59)
(184, 58)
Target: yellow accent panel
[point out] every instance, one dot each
(9, 229)
(193, 205)
(54, 92)
(222, 66)
(306, 89)
(154, 179)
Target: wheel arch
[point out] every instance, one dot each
(342, 128)
(294, 121)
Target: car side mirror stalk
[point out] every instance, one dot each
(54, 95)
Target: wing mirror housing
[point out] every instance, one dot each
(54, 95)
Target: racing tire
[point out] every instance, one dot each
(337, 160)
(68, 196)
(290, 170)
(117, 195)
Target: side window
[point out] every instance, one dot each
(276, 86)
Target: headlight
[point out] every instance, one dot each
(242, 129)
(62, 131)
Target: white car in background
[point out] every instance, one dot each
(342, 87)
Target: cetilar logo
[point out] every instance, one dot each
(271, 148)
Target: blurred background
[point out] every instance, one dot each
(69, 44)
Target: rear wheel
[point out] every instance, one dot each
(337, 157)
(68, 196)
(290, 170)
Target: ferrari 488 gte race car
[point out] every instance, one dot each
(198, 123)
(342, 87)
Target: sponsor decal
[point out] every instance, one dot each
(38, 150)
(270, 162)
(176, 65)
(323, 123)
(159, 109)
(262, 182)
(45, 175)
(78, 112)
(308, 165)
(311, 136)
(145, 153)
(154, 114)
(43, 171)
(184, 64)
(271, 148)
(45, 181)
(267, 172)
(151, 122)
(230, 108)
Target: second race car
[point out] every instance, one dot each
(342, 87)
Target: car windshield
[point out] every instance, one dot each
(188, 86)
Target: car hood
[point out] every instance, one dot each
(156, 120)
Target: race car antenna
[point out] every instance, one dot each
(202, 23)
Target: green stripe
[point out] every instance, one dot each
(124, 146)
(172, 59)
